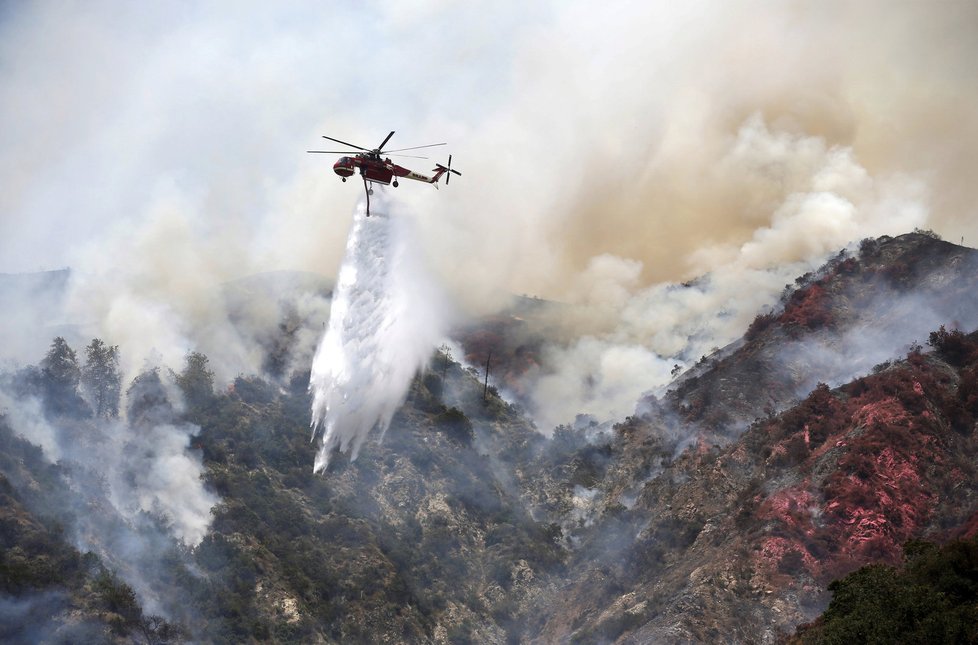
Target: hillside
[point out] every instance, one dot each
(840, 427)
(832, 325)
(776, 497)
(742, 540)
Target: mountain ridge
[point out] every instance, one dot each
(704, 516)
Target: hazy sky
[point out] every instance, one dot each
(151, 138)
(113, 110)
(607, 149)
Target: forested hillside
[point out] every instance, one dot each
(171, 508)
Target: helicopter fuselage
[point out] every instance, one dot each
(378, 171)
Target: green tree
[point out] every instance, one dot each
(931, 599)
(60, 375)
(196, 381)
(102, 379)
(147, 401)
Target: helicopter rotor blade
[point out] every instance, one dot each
(384, 142)
(430, 145)
(450, 171)
(331, 152)
(410, 156)
(347, 144)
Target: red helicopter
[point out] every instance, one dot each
(379, 170)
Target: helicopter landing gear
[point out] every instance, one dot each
(395, 183)
(344, 179)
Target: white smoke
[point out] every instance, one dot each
(386, 319)
(145, 470)
(899, 320)
(180, 138)
(157, 472)
(26, 419)
(636, 336)
(135, 486)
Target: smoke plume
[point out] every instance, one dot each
(385, 322)
(141, 475)
(607, 151)
(633, 337)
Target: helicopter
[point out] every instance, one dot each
(376, 167)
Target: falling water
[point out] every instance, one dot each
(386, 318)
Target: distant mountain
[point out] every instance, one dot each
(34, 296)
(277, 284)
(282, 312)
(32, 312)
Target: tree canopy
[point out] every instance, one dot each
(102, 379)
(196, 381)
(932, 599)
(60, 376)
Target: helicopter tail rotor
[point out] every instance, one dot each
(448, 170)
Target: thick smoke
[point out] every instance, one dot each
(634, 337)
(161, 152)
(630, 114)
(385, 322)
(176, 292)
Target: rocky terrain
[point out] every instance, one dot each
(726, 508)
(839, 428)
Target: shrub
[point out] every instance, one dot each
(953, 346)
(253, 390)
(196, 381)
(757, 326)
(118, 598)
(931, 599)
(456, 425)
(808, 307)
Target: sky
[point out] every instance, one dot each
(607, 148)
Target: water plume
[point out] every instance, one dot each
(386, 319)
